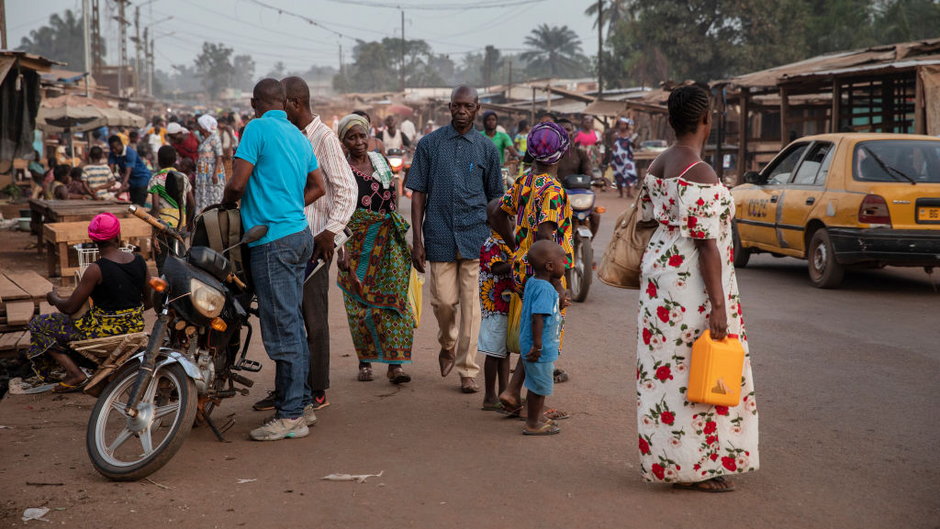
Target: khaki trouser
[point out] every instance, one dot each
(456, 283)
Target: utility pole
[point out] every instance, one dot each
(600, 48)
(150, 74)
(147, 60)
(3, 25)
(86, 33)
(342, 70)
(122, 44)
(401, 83)
(96, 51)
(509, 89)
(138, 69)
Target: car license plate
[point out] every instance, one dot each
(928, 214)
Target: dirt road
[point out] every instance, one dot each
(847, 389)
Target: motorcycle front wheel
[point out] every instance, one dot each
(583, 270)
(124, 448)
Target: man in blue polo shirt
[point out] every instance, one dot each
(276, 175)
(131, 167)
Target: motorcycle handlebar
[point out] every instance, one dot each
(138, 212)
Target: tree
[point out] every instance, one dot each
(471, 70)
(62, 39)
(554, 51)
(214, 66)
(491, 65)
(907, 20)
(243, 72)
(614, 12)
(278, 71)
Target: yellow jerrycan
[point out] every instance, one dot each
(715, 371)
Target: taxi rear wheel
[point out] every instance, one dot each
(824, 271)
(741, 254)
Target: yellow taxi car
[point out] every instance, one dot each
(844, 200)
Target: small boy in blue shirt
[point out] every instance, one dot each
(540, 329)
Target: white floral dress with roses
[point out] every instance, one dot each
(680, 441)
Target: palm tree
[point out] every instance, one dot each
(554, 50)
(614, 12)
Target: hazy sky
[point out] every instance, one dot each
(270, 37)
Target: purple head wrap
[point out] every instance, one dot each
(548, 142)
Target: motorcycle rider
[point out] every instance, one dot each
(576, 161)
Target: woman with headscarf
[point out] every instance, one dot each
(210, 169)
(375, 263)
(115, 283)
(538, 204)
(620, 156)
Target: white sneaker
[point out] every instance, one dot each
(277, 429)
(310, 416)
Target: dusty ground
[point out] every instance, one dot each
(847, 384)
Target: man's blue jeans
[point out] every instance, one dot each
(277, 271)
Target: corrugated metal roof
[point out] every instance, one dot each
(898, 56)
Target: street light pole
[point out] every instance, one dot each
(600, 48)
(402, 73)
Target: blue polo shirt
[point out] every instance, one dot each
(282, 157)
(140, 175)
(460, 173)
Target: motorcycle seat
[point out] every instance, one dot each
(576, 181)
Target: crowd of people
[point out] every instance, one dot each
(498, 260)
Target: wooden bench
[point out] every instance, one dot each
(22, 296)
(60, 236)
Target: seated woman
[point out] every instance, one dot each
(375, 264)
(116, 285)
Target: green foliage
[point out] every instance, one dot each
(649, 42)
(554, 51)
(61, 40)
(243, 72)
(376, 66)
(214, 65)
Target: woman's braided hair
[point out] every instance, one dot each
(687, 104)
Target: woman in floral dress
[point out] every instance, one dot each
(620, 156)
(210, 170)
(688, 286)
(375, 263)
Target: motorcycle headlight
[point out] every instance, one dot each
(395, 163)
(207, 300)
(581, 201)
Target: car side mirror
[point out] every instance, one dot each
(753, 177)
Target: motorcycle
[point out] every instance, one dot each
(400, 162)
(190, 363)
(581, 198)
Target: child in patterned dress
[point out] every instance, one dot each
(495, 287)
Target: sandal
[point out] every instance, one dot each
(491, 406)
(546, 428)
(560, 375)
(365, 374)
(62, 387)
(398, 376)
(704, 486)
(553, 414)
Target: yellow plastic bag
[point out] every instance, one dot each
(415, 286)
(512, 326)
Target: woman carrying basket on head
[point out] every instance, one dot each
(115, 284)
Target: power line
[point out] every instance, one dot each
(439, 7)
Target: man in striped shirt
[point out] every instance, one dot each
(326, 217)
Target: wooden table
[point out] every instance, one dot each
(47, 211)
(22, 295)
(60, 236)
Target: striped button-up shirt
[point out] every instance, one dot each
(333, 210)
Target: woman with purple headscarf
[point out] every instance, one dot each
(538, 205)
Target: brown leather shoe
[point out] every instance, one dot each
(468, 385)
(447, 359)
